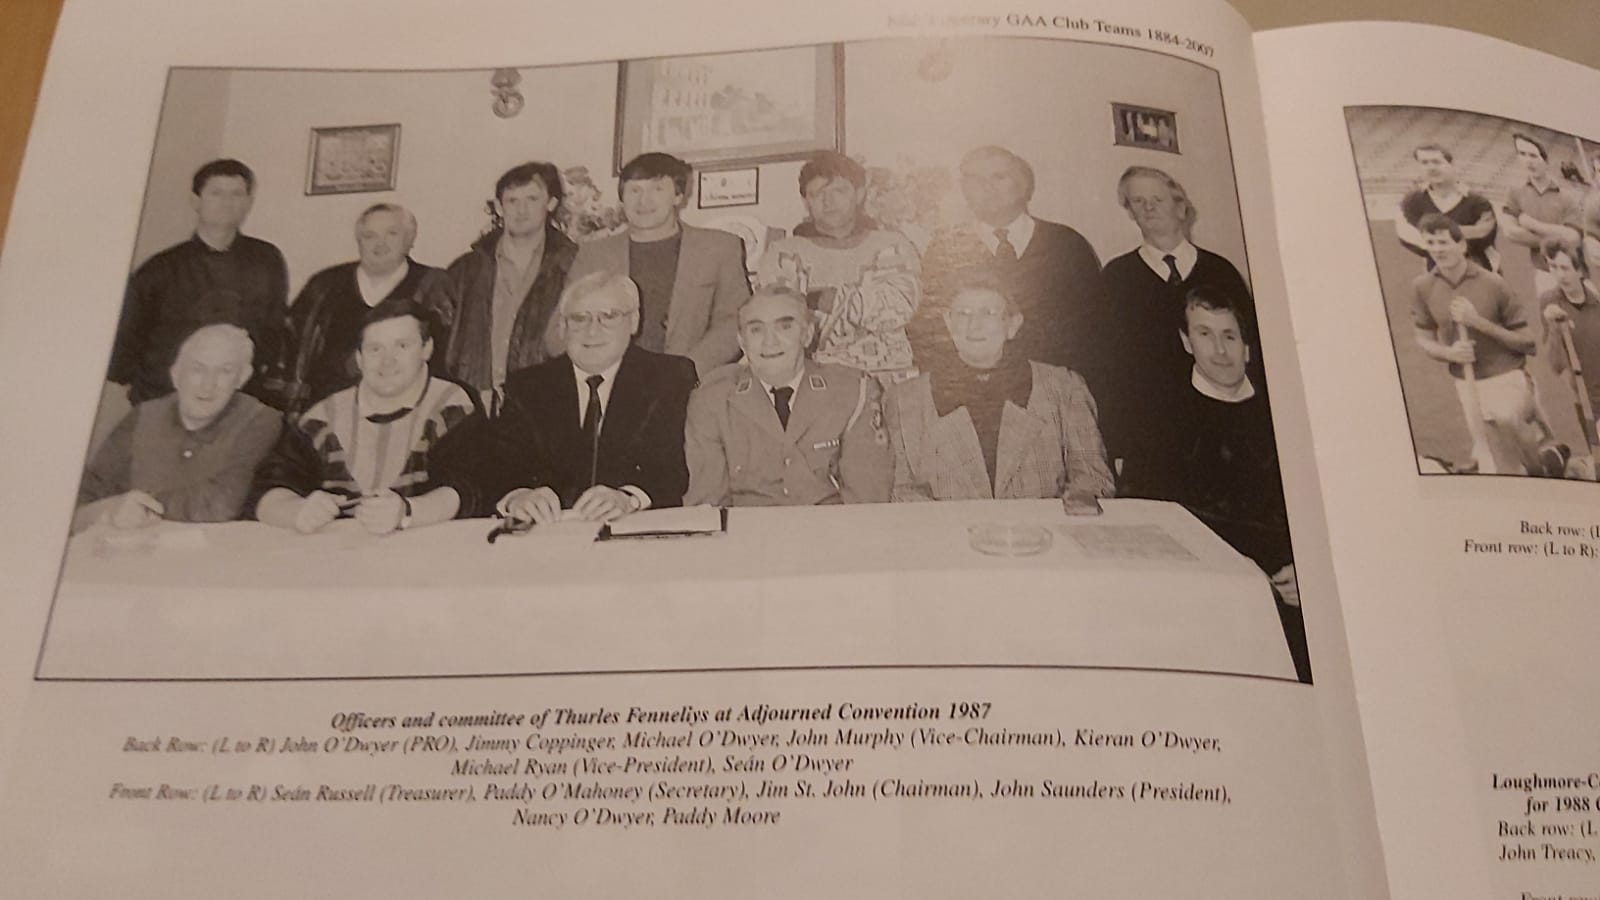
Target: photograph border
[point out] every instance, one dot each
(837, 48)
(1383, 302)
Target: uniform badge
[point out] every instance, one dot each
(817, 383)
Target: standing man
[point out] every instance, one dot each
(780, 429)
(691, 281)
(596, 431)
(218, 275)
(1538, 210)
(1146, 291)
(1466, 317)
(1050, 271)
(505, 288)
(326, 318)
(859, 281)
(1441, 193)
(1572, 304)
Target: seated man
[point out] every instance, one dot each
(996, 425)
(780, 429)
(1215, 452)
(597, 430)
(367, 451)
(327, 316)
(859, 280)
(187, 456)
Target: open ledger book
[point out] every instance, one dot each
(1369, 676)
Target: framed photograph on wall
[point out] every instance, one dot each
(353, 159)
(1142, 126)
(729, 187)
(751, 107)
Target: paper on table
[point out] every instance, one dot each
(680, 520)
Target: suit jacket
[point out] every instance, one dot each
(536, 440)
(703, 319)
(1045, 449)
(835, 449)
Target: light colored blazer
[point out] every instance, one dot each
(711, 284)
(1052, 445)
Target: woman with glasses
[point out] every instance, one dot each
(989, 423)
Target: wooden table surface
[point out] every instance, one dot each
(1569, 28)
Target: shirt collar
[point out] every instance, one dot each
(609, 374)
(1473, 270)
(208, 432)
(1239, 393)
(374, 290)
(1548, 186)
(1155, 258)
(793, 384)
(1019, 232)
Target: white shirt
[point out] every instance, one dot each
(1155, 258)
(793, 385)
(1239, 393)
(1019, 232)
(610, 376)
(374, 290)
(582, 377)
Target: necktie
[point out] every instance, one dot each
(780, 401)
(1004, 250)
(1172, 269)
(591, 425)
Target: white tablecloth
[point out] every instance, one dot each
(1143, 586)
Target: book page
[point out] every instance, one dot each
(1105, 657)
(1433, 191)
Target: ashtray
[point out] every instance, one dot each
(1008, 538)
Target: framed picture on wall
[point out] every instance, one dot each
(1142, 126)
(353, 159)
(751, 107)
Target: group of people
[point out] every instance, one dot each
(536, 378)
(1469, 317)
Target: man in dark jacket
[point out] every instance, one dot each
(506, 287)
(327, 316)
(594, 433)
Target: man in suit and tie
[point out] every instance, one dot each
(1051, 272)
(1144, 360)
(596, 431)
(690, 280)
(780, 429)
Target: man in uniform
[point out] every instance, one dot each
(779, 429)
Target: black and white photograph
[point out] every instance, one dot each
(968, 381)
(1486, 236)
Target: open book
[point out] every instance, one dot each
(1248, 382)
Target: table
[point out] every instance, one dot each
(866, 585)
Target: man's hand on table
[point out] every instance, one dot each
(380, 513)
(317, 509)
(136, 509)
(536, 505)
(602, 504)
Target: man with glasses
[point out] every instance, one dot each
(594, 433)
